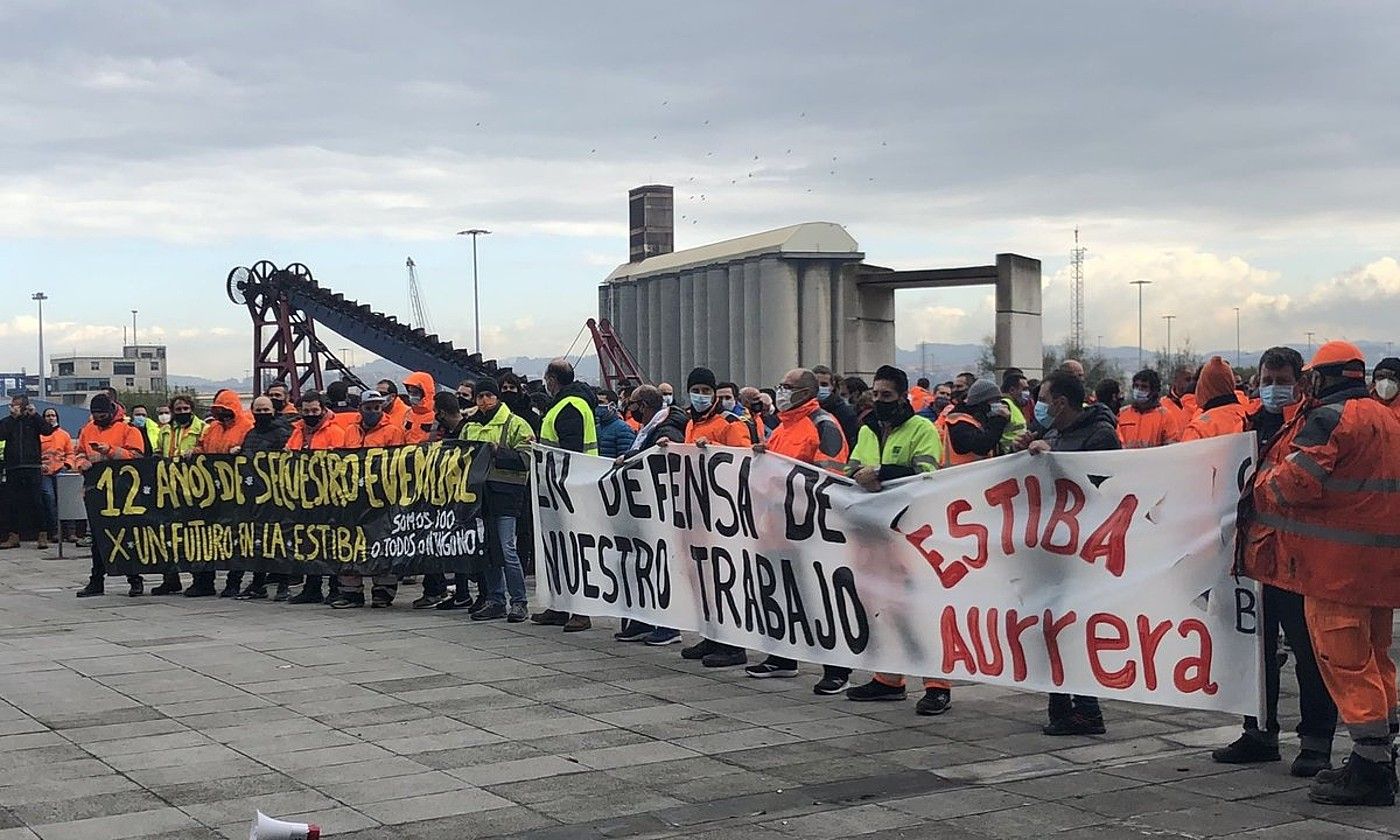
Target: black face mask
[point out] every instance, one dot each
(312, 420)
(263, 422)
(102, 420)
(278, 405)
(637, 415)
(223, 416)
(182, 419)
(370, 419)
(886, 411)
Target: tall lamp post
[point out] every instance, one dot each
(476, 288)
(1310, 339)
(40, 297)
(1140, 284)
(134, 342)
(1169, 319)
(1237, 336)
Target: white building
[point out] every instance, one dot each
(73, 379)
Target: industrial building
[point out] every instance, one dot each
(755, 307)
(73, 379)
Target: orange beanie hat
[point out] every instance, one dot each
(1216, 380)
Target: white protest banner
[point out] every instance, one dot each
(1102, 573)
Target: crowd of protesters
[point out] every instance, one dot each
(1317, 529)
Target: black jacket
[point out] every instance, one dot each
(569, 424)
(1096, 430)
(272, 439)
(969, 440)
(21, 436)
(519, 405)
(671, 429)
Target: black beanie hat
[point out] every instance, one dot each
(1388, 363)
(890, 373)
(487, 385)
(700, 376)
(101, 403)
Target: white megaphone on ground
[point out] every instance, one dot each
(266, 828)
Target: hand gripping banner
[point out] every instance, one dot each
(1105, 573)
(406, 510)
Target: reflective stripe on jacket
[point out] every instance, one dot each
(550, 435)
(915, 444)
(1327, 504)
(1142, 429)
(508, 431)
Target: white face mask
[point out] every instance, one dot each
(666, 399)
(783, 400)
(727, 403)
(163, 418)
(1386, 389)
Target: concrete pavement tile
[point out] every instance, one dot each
(52, 789)
(842, 822)
(123, 731)
(83, 768)
(1006, 769)
(40, 757)
(736, 740)
(1187, 765)
(1215, 818)
(148, 743)
(1301, 830)
(959, 802)
(359, 771)
(1068, 785)
(327, 757)
(31, 740)
(398, 686)
(713, 788)
(1036, 820)
(455, 737)
(17, 834)
(242, 809)
(597, 706)
(833, 727)
(358, 793)
(21, 725)
(936, 757)
(1248, 783)
(564, 744)
(630, 755)
(287, 726)
(78, 806)
(820, 772)
(1116, 750)
(120, 826)
(519, 770)
(110, 716)
(1215, 736)
(450, 803)
(371, 717)
(473, 756)
(257, 745)
(205, 771)
(240, 787)
(182, 756)
(1135, 802)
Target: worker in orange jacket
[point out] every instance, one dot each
(1146, 420)
(808, 433)
(104, 438)
(1327, 526)
(421, 420)
(394, 406)
(373, 430)
(316, 429)
(706, 422)
(277, 392)
(1221, 412)
(1385, 383)
(223, 435)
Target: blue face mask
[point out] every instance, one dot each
(1275, 397)
(701, 402)
(1042, 414)
(823, 391)
(138, 422)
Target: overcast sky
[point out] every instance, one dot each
(1237, 154)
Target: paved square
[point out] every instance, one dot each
(177, 718)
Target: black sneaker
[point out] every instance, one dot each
(1309, 763)
(348, 601)
(874, 691)
(200, 592)
(517, 613)
(633, 631)
(92, 590)
(454, 604)
(1075, 723)
(229, 591)
(253, 593)
(490, 612)
(282, 593)
(935, 701)
(427, 602)
(828, 686)
(699, 650)
(1360, 782)
(725, 658)
(767, 670)
(168, 589)
(379, 602)
(332, 596)
(306, 596)
(1247, 749)
(135, 589)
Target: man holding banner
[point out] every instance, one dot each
(315, 430)
(105, 439)
(374, 429)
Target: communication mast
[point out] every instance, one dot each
(415, 299)
(1076, 294)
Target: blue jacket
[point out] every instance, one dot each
(614, 435)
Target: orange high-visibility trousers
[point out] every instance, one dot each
(897, 681)
(1352, 644)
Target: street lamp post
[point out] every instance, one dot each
(1140, 284)
(40, 297)
(1169, 319)
(476, 288)
(134, 342)
(1237, 336)
(1310, 339)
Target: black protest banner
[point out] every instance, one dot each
(403, 510)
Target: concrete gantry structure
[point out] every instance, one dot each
(754, 307)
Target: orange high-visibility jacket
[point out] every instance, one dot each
(951, 457)
(807, 433)
(124, 439)
(420, 419)
(1326, 500)
(1153, 427)
(219, 439)
(1226, 419)
(326, 436)
(56, 451)
(385, 433)
(919, 397)
(720, 428)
